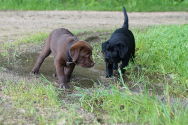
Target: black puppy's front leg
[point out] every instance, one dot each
(115, 66)
(123, 65)
(109, 70)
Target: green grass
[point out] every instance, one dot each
(32, 39)
(136, 5)
(119, 106)
(38, 101)
(163, 50)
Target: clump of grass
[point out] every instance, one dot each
(163, 50)
(34, 98)
(125, 107)
(136, 5)
(29, 94)
(34, 39)
(38, 101)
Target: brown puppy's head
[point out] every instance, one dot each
(81, 53)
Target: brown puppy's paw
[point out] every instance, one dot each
(64, 86)
(35, 71)
(54, 75)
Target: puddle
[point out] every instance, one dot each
(22, 65)
(82, 77)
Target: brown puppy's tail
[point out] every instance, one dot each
(126, 19)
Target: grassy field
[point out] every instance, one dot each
(153, 91)
(131, 5)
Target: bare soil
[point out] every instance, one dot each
(16, 24)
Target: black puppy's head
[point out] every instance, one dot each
(114, 53)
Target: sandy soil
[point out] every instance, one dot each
(14, 24)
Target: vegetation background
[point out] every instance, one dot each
(107, 5)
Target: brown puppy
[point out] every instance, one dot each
(68, 51)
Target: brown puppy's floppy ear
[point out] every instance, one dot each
(76, 47)
(74, 52)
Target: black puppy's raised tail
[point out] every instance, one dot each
(126, 19)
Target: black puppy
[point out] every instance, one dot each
(119, 48)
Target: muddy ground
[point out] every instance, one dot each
(16, 24)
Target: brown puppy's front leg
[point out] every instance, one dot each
(62, 79)
(68, 71)
(45, 53)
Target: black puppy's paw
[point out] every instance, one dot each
(108, 76)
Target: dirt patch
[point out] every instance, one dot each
(16, 24)
(22, 65)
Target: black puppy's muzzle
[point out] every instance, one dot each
(109, 60)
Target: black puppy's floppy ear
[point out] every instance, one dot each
(123, 51)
